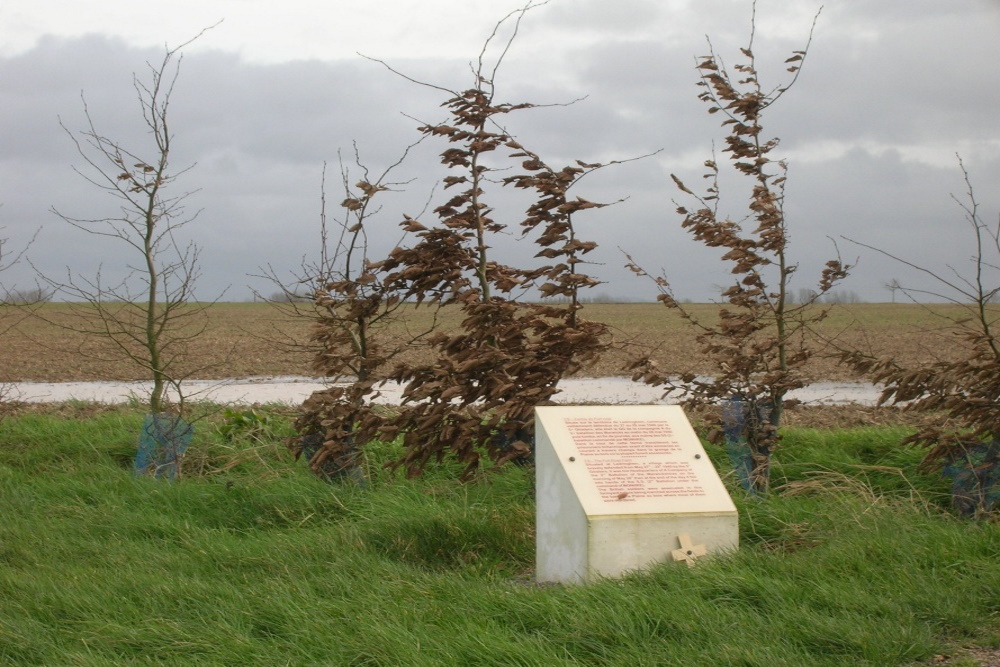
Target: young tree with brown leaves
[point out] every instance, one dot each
(478, 396)
(350, 305)
(964, 387)
(756, 346)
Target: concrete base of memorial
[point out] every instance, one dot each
(620, 488)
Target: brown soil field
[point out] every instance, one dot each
(258, 339)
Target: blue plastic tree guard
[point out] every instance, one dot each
(162, 443)
(740, 415)
(975, 479)
(734, 422)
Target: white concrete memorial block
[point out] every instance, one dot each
(619, 488)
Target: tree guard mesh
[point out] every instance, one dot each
(975, 478)
(345, 466)
(735, 416)
(162, 443)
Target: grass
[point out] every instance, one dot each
(250, 559)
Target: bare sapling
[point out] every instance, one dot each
(23, 300)
(5, 325)
(757, 347)
(149, 315)
(15, 305)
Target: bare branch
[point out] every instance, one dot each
(145, 315)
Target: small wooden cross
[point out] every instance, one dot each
(688, 552)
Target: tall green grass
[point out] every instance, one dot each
(855, 559)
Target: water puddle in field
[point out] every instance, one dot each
(293, 390)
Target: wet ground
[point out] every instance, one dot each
(293, 390)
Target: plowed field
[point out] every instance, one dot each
(255, 339)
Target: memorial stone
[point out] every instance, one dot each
(620, 488)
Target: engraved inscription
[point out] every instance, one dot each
(629, 460)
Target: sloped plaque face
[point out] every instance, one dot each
(627, 460)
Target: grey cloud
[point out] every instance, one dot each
(260, 134)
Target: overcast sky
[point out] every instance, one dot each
(890, 92)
